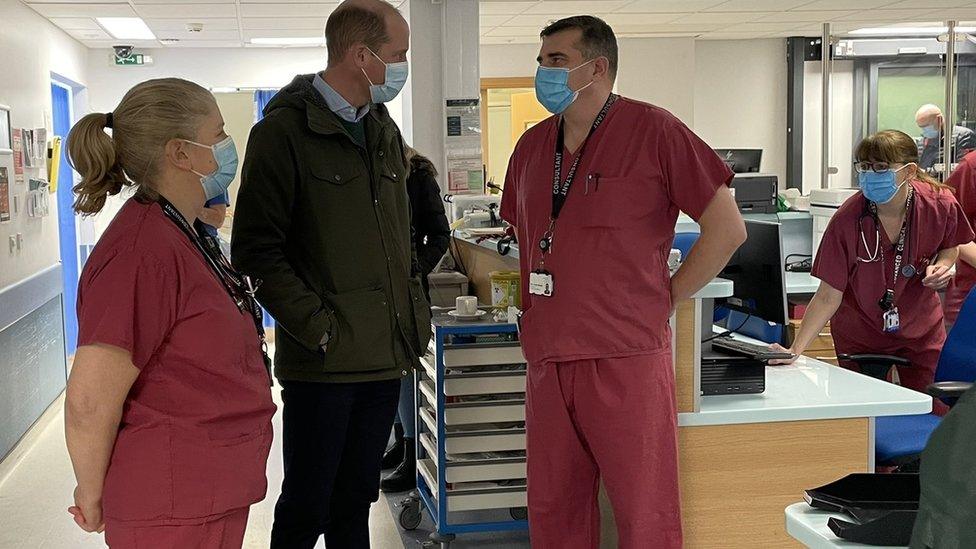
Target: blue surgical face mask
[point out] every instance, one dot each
(393, 81)
(881, 187)
(930, 132)
(225, 155)
(552, 88)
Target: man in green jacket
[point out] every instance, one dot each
(323, 220)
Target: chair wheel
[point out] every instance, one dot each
(410, 516)
(519, 513)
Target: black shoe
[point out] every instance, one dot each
(394, 454)
(404, 478)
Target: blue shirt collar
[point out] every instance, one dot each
(337, 103)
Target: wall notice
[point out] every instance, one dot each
(465, 168)
(18, 146)
(4, 194)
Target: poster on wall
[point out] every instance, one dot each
(6, 137)
(28, 148)
(4, 194)
(18, 147)
(465, 167)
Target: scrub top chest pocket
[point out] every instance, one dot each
(611, 202)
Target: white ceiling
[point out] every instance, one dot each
(233, 23)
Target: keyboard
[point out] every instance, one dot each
(756, 352)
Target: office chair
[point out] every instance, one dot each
(899, 440)
(684, 242)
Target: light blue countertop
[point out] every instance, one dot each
(809, 390)
(809, 526)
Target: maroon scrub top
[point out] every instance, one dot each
(610, 254)
(196, 427)
(963, 182)
(938, 223)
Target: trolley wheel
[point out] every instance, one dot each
(410, 516)
(519, 513)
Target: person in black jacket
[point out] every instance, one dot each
(432, 235)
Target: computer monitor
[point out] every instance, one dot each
(741, 160)
(758, 274)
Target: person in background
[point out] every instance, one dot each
(594, 194)
(432, 236)
(929, 119)
(213, 215)
(168, 434)
(323, 219)
(963, 182)
(884, 256)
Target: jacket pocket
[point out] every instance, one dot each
(421, 315)
(336, 173)
(362, 336)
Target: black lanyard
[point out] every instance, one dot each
(239, 287)
(560, 188)
(890, 298)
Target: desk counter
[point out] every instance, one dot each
(809, 526)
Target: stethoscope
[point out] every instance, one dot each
(908, 270)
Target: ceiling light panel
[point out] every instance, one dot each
(126, 28)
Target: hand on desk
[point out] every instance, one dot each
(782, 361)
(937, 277)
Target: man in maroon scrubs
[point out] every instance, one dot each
(594, 194)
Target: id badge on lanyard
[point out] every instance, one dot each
(541, 281)
(891, 320)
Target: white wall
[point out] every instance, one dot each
(31, 49)
(733, 93)
(740, 98)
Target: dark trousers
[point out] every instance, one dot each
(334, 437)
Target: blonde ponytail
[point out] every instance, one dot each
(92, 154)
(148, 117)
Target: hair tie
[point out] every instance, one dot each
(108, 120)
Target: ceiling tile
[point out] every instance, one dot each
(205, 35)
(190, 11)
(503, 8)
(138, 44)
(75, 2)
(620, 19)
(83, 10)
(713, 18)
(294, 33)
(273, 23)
(826, 5)
(806, 16)
(322, 9)
(887, 15)
(725, 35)
(669, 6)
(766, 27)
(141, 2)
(934, 4)
(206, 44)
(83, 35)
(574, 7)
(209, 24)
(514, 31)
(76, 23)
(494, 20)
(759, 5)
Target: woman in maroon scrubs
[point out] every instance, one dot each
(168, 432)
(886, 253)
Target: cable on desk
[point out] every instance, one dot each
(727, 333)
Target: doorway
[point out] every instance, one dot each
(510, 109)
(62, 117)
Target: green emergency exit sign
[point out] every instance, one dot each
(133, 59)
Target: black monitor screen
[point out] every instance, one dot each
(757, 273)
(741, 160)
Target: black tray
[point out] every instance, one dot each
(885, 529)
(867, 491)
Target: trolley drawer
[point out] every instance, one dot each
(484, 382)
(459, 356)
(474, 467)
(473, 496)
(489, 411)
(483, 439)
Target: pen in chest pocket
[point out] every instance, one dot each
(593, 178)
